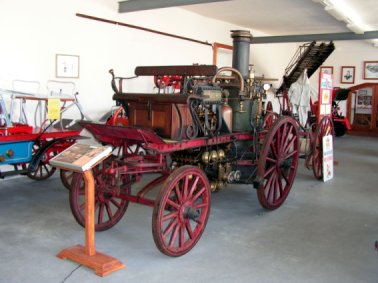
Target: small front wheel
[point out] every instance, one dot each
(44, 170)
(181, 211)
(110, 196)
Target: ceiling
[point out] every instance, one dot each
(287, 17)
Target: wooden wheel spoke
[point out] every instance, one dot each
(193, 186)
(271, 160)
(82, 206)
(182, 234)
(283, 135)
(109, 210)
(290, 144)
(170, 227)
(189, 229)
(270, 170)
(291, 154)
(275, 189)
(100, 213)
(285, 138)
(274, 150)
(268, 185)
(197, 195)
(172, 204)
(169, 216)
(113, 201)
(279, 180)
(178, 194)
(278, 140)
(185, 187)
(174, 236)
(200, 205)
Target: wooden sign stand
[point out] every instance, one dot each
(87, 255)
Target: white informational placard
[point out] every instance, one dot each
(80, 157)
(327, 158)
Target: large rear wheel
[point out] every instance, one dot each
(278, 162)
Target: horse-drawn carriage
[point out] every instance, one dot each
(211, 133)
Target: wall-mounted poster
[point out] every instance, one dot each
(364, 99)
(67, 66)
(347, 75)
(371, 70)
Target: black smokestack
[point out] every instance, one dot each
(240, 53)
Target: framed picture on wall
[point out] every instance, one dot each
(67, 66)
(371, 70)
(347, 74)
(326, 70)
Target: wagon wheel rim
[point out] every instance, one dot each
(110, 203)
(324, 128)
(44, 169)
(278, 163)
(66, 176)
(181, 211)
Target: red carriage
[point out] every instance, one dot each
(27, 149)
(193, 143)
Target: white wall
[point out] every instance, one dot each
(33, 32)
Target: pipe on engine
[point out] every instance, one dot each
(240, 54)
(241, 108)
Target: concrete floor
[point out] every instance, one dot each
(324, 232)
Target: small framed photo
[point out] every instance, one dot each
(347, 74)
(326, 70)
(371, 70)
(67, 66)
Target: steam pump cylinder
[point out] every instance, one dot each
(240, 61)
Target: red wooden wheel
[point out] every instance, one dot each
(44, 169)
(110, 206)
(66, 177)
(278, 163)
(181, 211)
(269, 119)
(324, 128)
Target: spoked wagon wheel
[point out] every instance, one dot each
(44, 169)
(66, 176)
(278, 163)
(324, 128)
(110, 204)
(181, 211)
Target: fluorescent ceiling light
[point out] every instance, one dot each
(355, 28)
(335, 12)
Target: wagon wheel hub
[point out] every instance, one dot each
(188, 212)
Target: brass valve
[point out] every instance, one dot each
(241, 107)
